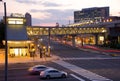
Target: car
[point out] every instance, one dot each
(37, 69)
(52, 73)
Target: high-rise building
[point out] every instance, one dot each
(28, 19)
(95, 14)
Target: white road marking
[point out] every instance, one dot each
(85, 73)
(77, 77)
(90, 58)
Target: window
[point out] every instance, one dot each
(15, 21)
(53, 71)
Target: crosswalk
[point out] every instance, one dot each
(80, 79)
(82, 72)
(88, 58)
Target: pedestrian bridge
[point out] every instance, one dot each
(33, 31)
(71, 30)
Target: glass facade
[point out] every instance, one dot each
(19, 51)
(96, 14)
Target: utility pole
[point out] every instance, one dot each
(6, 45)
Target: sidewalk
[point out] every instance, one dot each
(108, 51)
(26, 59)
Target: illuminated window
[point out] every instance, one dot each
(101, 38)
(15, 21)
(110, 20)
(16, 52)
(11, 22)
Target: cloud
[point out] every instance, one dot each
(40, 2)
(55, 12)
(50, 4)
(27, 1)
(61, 16)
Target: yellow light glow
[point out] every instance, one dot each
(20, 51)
(16, 52)
(110, 20)
(104, 30)
(15, 21)
(19, 22)
(11, 22)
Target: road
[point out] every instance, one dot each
(18, 72)
(95, 62)
(80, 65)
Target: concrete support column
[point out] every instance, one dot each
(73, 41)
(96, 39)
(82, 41)
(49, 44)
(105, 38)
(118, 39)
(61, 37)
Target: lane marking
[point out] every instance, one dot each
(80, 79)
(85, 73)
(90, 58)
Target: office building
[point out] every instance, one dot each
(28, 19)
(95, 14)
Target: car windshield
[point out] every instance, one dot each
(40, 67)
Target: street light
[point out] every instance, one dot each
(49, 43)
(6, 53)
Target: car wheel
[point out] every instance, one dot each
(48, 77)
(63, 76)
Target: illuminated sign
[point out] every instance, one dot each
(15, 21)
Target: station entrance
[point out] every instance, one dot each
(18, 51)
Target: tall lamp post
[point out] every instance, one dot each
(49, 43)
(6, 52)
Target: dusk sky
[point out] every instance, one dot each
(48, 12)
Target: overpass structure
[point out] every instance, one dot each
(71, 30)
(41, 31)
(94, 29)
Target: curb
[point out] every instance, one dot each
(29, 60)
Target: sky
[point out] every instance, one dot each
(50, 12)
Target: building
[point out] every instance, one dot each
(111, 18)
(17, 38)
(95, 14)
(28, 19)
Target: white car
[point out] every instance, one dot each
(37, 69)
(52, 73)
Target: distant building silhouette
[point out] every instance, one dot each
(16, 15)
(95, 14)
(57, 24)
(28, 19)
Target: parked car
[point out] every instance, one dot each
(52, 73)
(37, 69)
